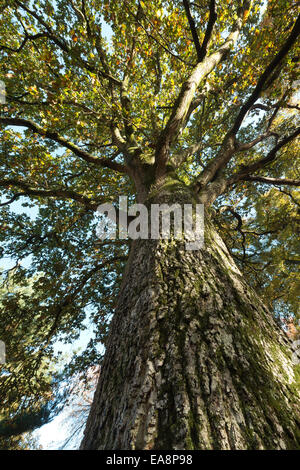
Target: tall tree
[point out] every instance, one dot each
(185, 102)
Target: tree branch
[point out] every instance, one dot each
(193, 30)
(201, 49)
(36, 128)
(289, 195)
(210, 25)
(274, 181)
(221, 183)
(23, 43)
(264, 77)
(179, 158)
(262, 162)
(238, 226)
(178, 117)
(29, 190)
(229, 145)
(249, 145)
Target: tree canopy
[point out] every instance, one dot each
(104, 98)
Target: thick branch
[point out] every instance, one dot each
(249, 145)
(201, 49)
(209, 30)
(23, 43)
(179, 158)
(229, 145)
(221, 183)
(262, 162)
(178, 117)
(36, 128)
(274, 181)
(193, 29)
(30, 190)
(267, 73)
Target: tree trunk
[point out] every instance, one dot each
(194, 360)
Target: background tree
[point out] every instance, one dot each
(80, 400)
(22, 442)
(186, 102)
(29, 379)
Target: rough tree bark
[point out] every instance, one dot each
(194, 360)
